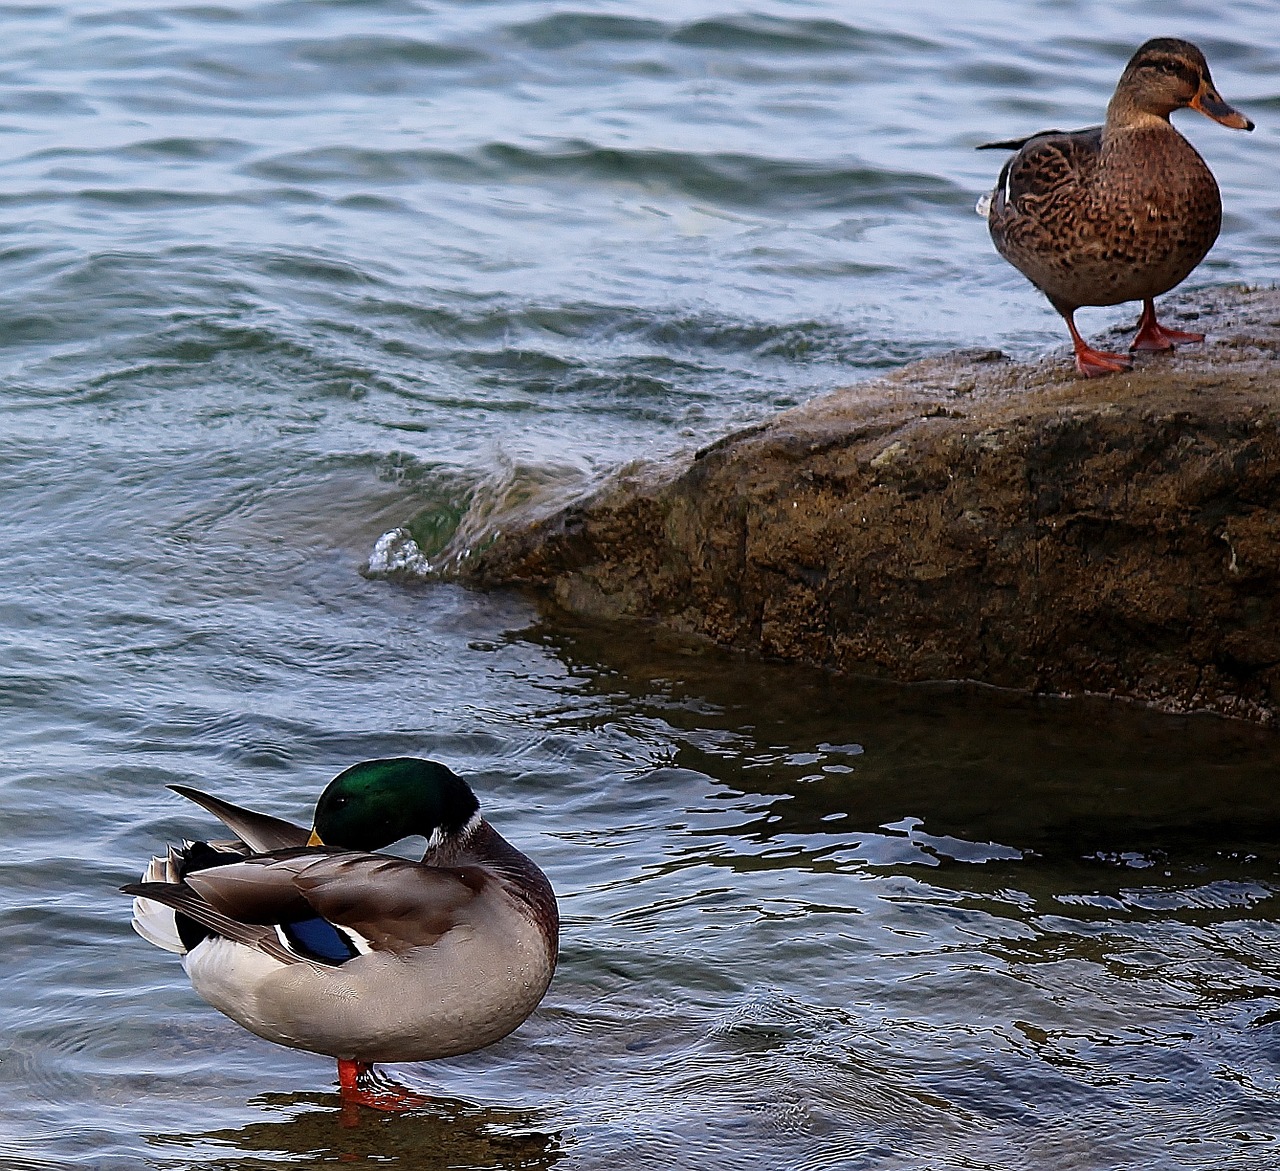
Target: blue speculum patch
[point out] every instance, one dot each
(318, 939)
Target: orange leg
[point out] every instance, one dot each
(1091, 362)
(349, 1074)
(1154, 336)
(360, 1086)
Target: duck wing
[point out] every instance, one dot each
(325, 907)
(393, 903)
(245, 918)
(259, 831)
(1046, 166)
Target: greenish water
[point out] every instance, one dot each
(281, 276)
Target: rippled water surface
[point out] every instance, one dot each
(280, 276)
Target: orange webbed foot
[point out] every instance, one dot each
(1094, 363)
(1090, 362)
(1153, 337)
(1161, 337)
(360, 1085)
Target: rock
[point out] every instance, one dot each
(968, 517)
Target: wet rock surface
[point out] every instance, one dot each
(969, 517)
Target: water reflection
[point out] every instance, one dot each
(834, 924)
(281, 277)
(303, 1129)
(814, 770)
(1047, 927)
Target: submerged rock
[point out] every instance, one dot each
(969, 517)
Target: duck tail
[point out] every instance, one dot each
(1012, 143)
(1019, 143)
(152, 920)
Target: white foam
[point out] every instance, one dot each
(397, 554)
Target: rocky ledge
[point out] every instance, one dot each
(969, 517)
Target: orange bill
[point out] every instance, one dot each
(1209, 102)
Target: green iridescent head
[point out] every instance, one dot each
(377, 802)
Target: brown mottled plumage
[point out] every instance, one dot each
(1119, 212)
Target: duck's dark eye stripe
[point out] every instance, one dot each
(1175, 69)
(317, 939)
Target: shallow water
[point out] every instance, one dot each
(280, 276)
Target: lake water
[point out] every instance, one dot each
(278, 277)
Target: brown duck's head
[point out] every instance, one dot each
(1166, 75)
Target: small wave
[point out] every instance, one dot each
(507, 323)
(1222, 895)
(456, 525)
(43, 102)
(788, 35)
(746, 32)
(566, 29)
(733, 180)
(724, 179)
(12, 1157)
(380, 53)
(561, 344)
(183, 149)
(361, 165)
(130, 198)
(325, 269)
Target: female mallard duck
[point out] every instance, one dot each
(1119, 212)
(310, 940)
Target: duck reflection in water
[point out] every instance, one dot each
(440, 1133)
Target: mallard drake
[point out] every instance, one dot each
(1118, 212)
(311, 940)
